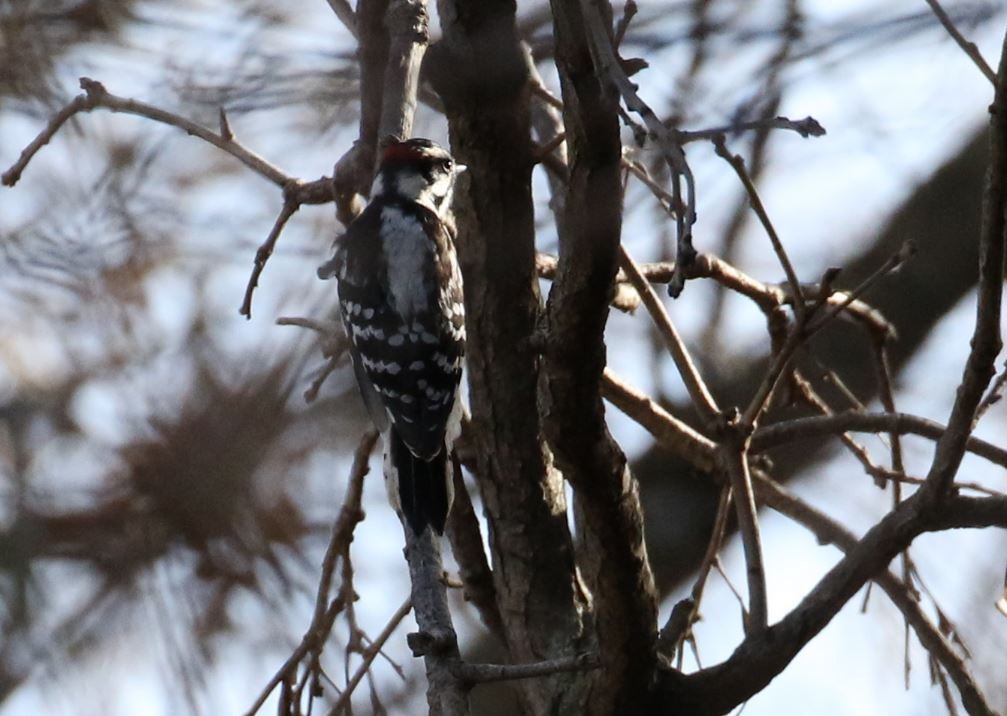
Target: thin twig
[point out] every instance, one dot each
(369, 655)
(986, 341)
(672, 637)
(295, 191)
(97, 97)
(606, 61)
(807, 393)
(894, 263)
(766, 296)
(969, 48)
(263, 253)
(807, 127)
(674, 435)
(544, 150)
(345, 13)
(853, 421)
(738, 164)
(701, 396)
(903, 478)
(342, 534)
(777, 368)
(806, 326)
(628, 13)
(830, 532)
(482, 673)
(719, 566)
(311, 392)
(733, 458)
(334, 344)
(887, 395)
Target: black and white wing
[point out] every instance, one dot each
(400, 295)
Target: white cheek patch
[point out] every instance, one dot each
(415, 187)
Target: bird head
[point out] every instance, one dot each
(417, 170)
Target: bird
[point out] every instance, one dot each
(402, 304)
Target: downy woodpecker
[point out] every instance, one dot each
(400, 295)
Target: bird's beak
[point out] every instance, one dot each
(460, 169)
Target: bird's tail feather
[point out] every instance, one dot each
(424, 495)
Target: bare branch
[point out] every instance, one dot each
(830, 532)
(986, 342)
(685, 613)
(762, 656)
(852, 421)
(408, 36)
(612, 555)
(733, 458)
(680, 439)
(295, 191)
(969, 48)
(263, 253)
(467, 545)
(701, 397)
(482, 673)
(628, 13)
(807, 127)
(766, 296)
(339, 544)
(894, 263)
(369, 655)
(738, 164)
(345, 14)
(607, 62)
(436, 640)
(995, 394)
(97, 97)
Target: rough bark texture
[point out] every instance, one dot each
(613, 557)
(480, 73)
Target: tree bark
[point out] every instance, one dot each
(479, 71)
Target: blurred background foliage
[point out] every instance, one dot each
(167, 491)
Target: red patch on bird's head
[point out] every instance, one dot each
(399, 152)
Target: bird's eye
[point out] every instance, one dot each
(447, 164)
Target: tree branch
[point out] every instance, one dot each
(345, 13)
(480, 71)
(678, 437)
(852, 421)
(339, 545)
(969, 48)
(408, 35)
(613, 558)
(263, 253)
(481, 673)
(369, 655)
(762, 656)
(738, 164)
(97, 97)
(986, 342)
(828, 531)
(702, 399)
(807, 127)
(607, 62)
(467, 545)
(732, 455)
(436, 640)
